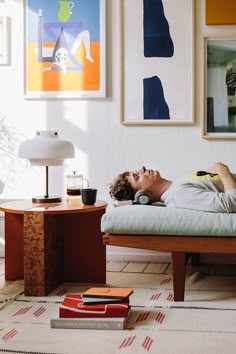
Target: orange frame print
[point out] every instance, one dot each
(65, 49)
(219, 12)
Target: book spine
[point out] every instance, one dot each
(108, 312)
(88, 324)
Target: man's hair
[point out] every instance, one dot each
(121, 189)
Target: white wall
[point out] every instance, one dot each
(103, 146)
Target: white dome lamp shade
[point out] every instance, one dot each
(46, 149)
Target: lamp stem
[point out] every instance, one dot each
(46, 198)
(46, 195)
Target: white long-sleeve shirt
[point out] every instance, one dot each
(204, 193)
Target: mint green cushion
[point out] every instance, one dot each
(156, 220)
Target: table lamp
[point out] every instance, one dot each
(46, 149)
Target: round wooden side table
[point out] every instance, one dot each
(48, 244)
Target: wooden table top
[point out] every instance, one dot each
(67, 206)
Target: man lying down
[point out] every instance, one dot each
(212, 190)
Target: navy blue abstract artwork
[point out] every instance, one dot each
(157, 39)
(156, 88)
(157, 43)
(155, 106)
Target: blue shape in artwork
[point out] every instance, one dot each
(157, 39)
(154, 103)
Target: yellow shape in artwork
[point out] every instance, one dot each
(219, 12)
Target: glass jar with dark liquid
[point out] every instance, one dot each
(74, 184)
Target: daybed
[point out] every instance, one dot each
(179, 231)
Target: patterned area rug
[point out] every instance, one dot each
(204, 323)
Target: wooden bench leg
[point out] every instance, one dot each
(178, 266)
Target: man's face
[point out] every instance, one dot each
(143, 178)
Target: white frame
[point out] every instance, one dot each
(149, 65)
(4, 38)
(216, 126)
(100, 93)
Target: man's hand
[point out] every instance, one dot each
(218, 168)
(225, 175)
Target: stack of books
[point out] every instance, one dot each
(96, 308)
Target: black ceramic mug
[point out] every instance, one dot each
(88, 196)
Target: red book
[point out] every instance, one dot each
(73, 307)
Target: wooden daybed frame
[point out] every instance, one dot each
(181, 248)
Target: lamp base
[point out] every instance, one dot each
(49, 199)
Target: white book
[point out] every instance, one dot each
(103, 300)
(89, 323)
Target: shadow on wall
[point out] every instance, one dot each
(10, 139)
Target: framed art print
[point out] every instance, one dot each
(157, 62)
(65, 48)
(219, 87)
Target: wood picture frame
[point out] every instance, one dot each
(65, 45)
(219, 79)
(144, 71)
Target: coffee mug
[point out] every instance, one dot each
(88, 196)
